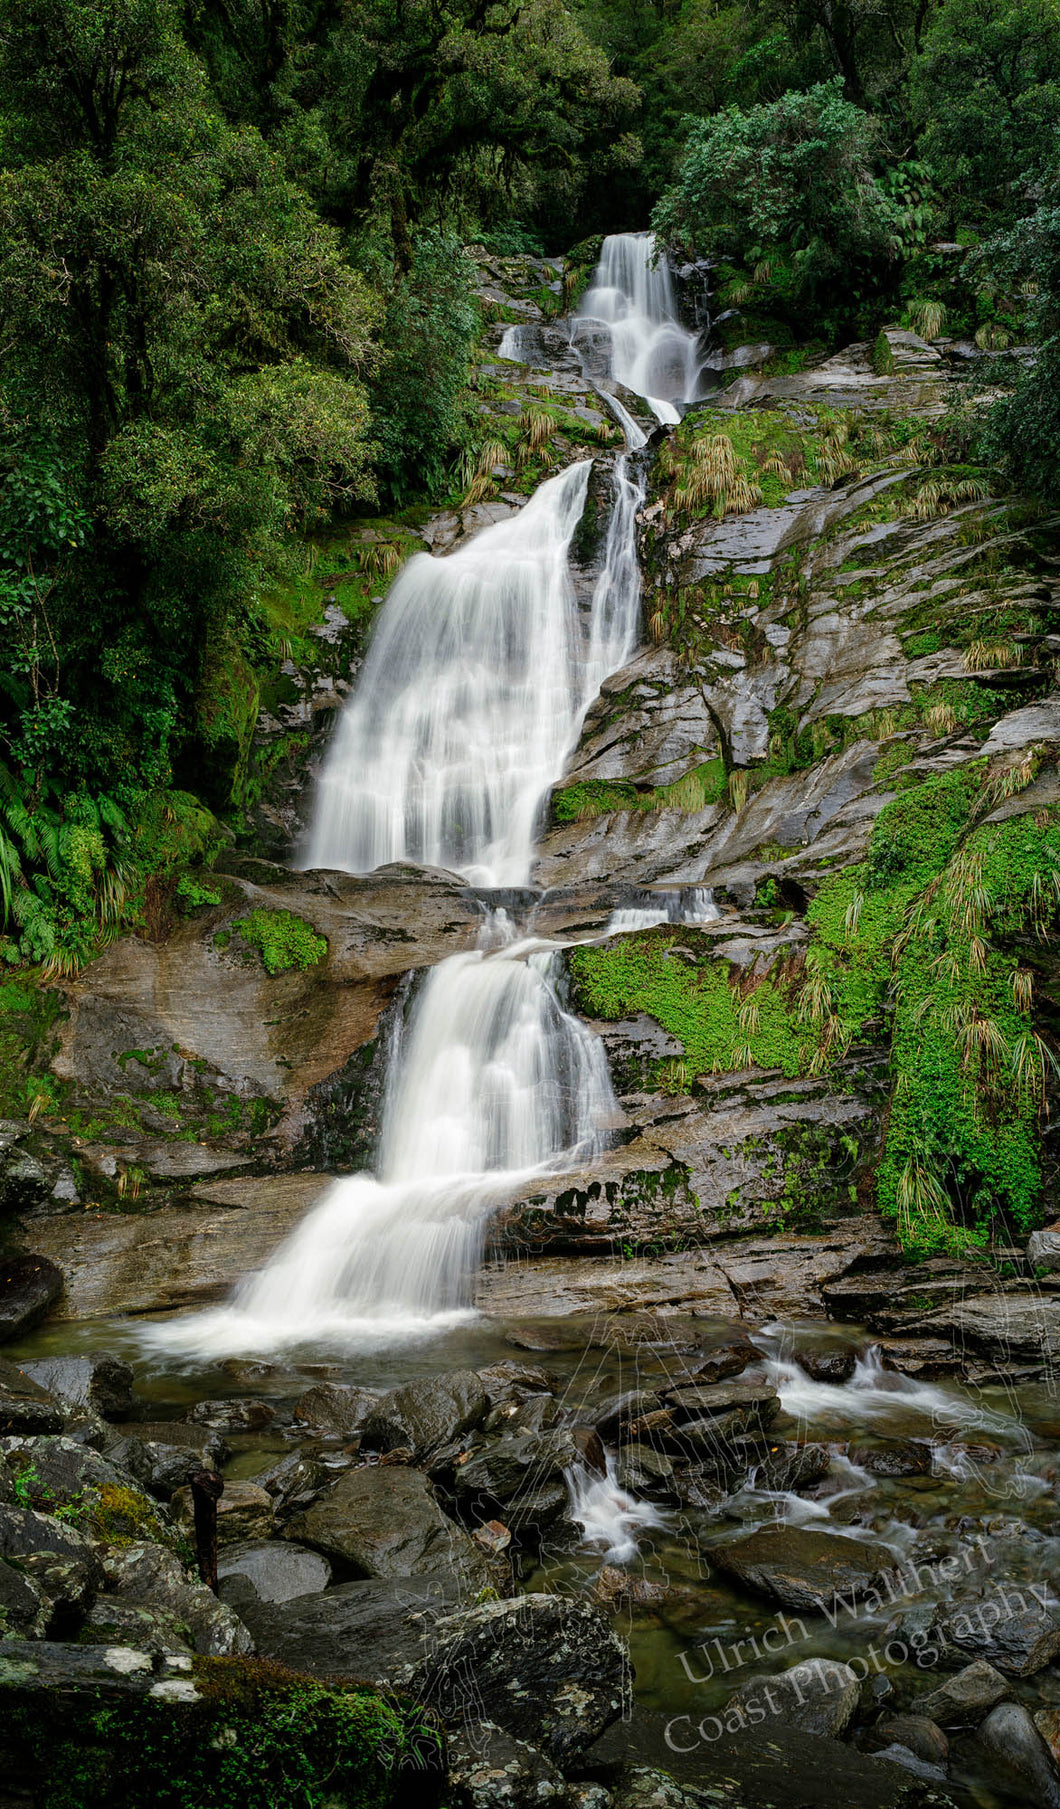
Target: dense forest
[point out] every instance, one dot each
(236, 308)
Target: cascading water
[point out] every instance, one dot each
(472, 696)
(631, 300)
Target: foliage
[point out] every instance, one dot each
(258, 1737)
(788, 185)
(1024, 428)
(282, 940)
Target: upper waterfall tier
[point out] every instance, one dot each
(472, 694)
(632, 296)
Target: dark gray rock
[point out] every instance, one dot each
(244, 1512)
(331, 1407)
(818, 1695)
(518, 1480)
(24, 1182)
(963, 1700)
(146, 1575)
(369, 1628)
(490, 1769)
(1010, 1740)
(29, 1288)
(384, 1521)
(645, 1471)
(113, 1622)
(1006, 1626)
(24, 1610)
(24, 1405)
(895, 1457)
(425, 1415)
(278, 1570)
(616, 1411)
(247, 1415)
(24, 1531)
(790, 1467)
(68, 1585)
(548, 1670)
(164, 1456)
(923, 1738)
(502, 1381)
(803, 1568)
(535, 1413)
(830, 1363)
(294, 1482)
(100, 1382)
(57, 1472)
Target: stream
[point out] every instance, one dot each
(469, 704)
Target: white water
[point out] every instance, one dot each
(691, 905)
(470, 700)
(632, 301)
(610, 1517)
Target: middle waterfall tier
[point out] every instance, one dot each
(472, 694)
(492, 1083)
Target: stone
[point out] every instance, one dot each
(101, 1382)
(548, 1670)
(830, 1363)
(518, 1477)
(278, 1570)
(368, 1628)
(920, 1736)
(294, 1482)
(643, 1787)
(24, 1405)
(112, 1622)
(1047, 1721)
(233, 1415)
(618, 1410)
(146, 1575)
(493, 1538)
(332, 1407)
(645, 1471)
(24, 1609)
(29, 1287)
(535, 1413)
(1043, 1249)
(503, 1380)
(963, 1700)
(895, 1457)
(69, 1586)
(805, 1569)
(819, 1695)
(1007, 1626)
(1036, 722)
(424, 1415)
(164, 1456)
(387, 1523)
(729, 1359)
(716, 1414)
(490, 1769)
(1010, 1739)
(23, 1531)
(790, 1467)
(57, 1472)
(244, 1512)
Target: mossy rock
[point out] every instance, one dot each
(226, 714)
(283, 940)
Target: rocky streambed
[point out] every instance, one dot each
(716, 1493)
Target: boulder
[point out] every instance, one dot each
(805, 1569)
(29, 1287)
(1006, 1626)
(68, 1585)
(707, 1419)
(831, 1363)
(24, 1405)
(1043, 1249)
(534, 1413)
(645, 1471)
(617, 1410)
(1010, 1740)
(112, 1622)
(818, 1695)
(502, 1381)
(278, 1570)
(232, 1415)
(726, 1360)
(164, 1456)
(294, 1482)
(368, 1628)
(923, 1738)
(790, 1467)
(490, 1769)
(244, 1512)
(963, 1700)
(145, 1574)
(425, 1415)
(331, 1407)
(101, 1382)
(24, 1609)
(1047, 1721)
(57, 1472)
(548, 1670)
(24, 1531)
(383, 1521)
(521, 1478)
(896, 1457)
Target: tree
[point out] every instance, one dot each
(1023, 431)
(788, 186)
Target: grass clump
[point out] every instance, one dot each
(283, 940)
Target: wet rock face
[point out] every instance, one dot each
(29, 1286)
(1007, 1626)
(806, 1569)
(549, 1671)
(386, 1522)
(425, 1415)
(819, 1695)
(101, 1383)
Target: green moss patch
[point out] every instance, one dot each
(283, 940)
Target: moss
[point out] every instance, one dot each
(29, 1015)
(258, 1737)
(882, 356)
(226, 712)
(283, 940)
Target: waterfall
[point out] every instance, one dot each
(471, 694)
(631, 301)
(471, 698)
